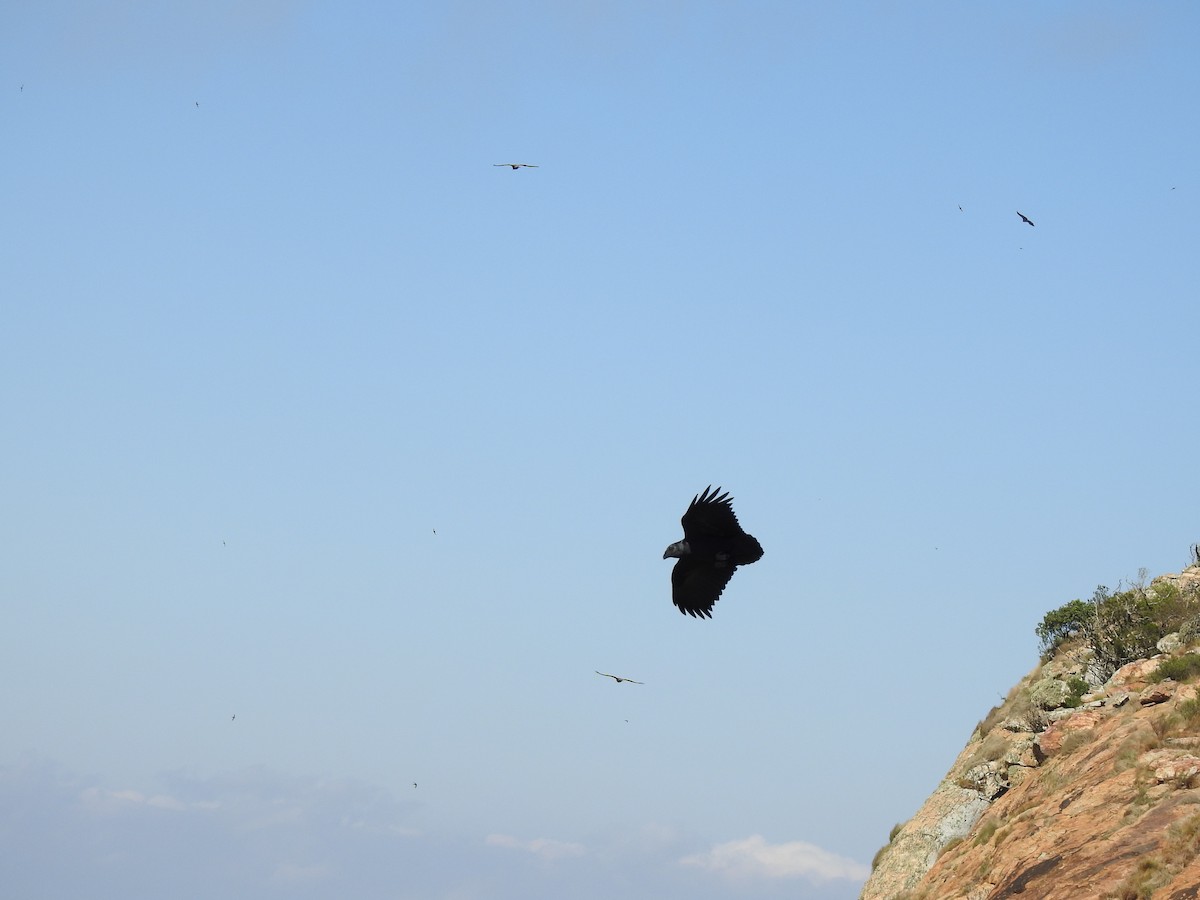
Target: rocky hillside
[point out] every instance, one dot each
(1084, 783)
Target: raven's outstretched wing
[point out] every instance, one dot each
(696, 585)
(710, 514)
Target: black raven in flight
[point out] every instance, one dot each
(712, 548)
(1024, 218)
(617, 678)
(514, 166)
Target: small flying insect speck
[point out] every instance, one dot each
(514, 166)
(617, 678)
(1025, 218)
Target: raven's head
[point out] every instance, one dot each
(679, 548)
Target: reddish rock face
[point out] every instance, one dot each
(1050, 741)
(1107, 797)
(1134, 675)
(1104, 803)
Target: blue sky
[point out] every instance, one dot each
(271, 317)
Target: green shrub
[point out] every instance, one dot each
(1189, 713)
(1060, 624)
(1178, 668)
(1076, 688)
(1120, 627)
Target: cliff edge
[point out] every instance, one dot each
(1085, 781)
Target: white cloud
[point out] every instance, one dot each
(100, 800)
(261, 833)
(753, 856)
(543, 847)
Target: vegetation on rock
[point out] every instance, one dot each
(1121, 627)
(1178, 668)
(1074, 767)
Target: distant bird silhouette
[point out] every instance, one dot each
(197, 104)
(1024, 218)
(414, 784)
(713, 546)
(617, 678)
(435, 531)
(960, 209)
(234, 716)
(514, 166)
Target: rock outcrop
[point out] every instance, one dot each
(1068, 790)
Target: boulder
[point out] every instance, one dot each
(1049, 693)
(1169, 643)
(1050, 741)
(1171, 764)
(989, 779)
(1134, 673)
(1157, 693)
(1187, 581)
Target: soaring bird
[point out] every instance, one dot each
(713, 546)
(515, 166)
(1024, 218)
(617, 678)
